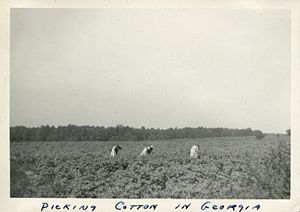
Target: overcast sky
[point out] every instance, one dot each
(152, 68)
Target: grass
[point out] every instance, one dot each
(239, 168)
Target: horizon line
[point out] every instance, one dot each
(146, 127)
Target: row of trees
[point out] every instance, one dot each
(120, 133)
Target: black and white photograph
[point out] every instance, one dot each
(152, 103)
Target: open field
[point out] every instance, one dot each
(240, 167)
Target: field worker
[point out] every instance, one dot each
(115, 150)
(194, 151)
(147, 150)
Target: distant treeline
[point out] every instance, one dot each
(120, 133)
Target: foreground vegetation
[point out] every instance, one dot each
(242, 167)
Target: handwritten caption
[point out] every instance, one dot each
(122, 206)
